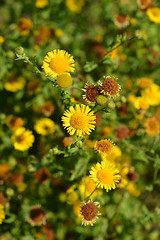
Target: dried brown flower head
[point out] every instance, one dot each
(104, 146)
(37, 216)
(122, 133)
(42, 175)
(89, 212)
(91, 92)
(110, 86)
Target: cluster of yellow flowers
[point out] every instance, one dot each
(80, 120)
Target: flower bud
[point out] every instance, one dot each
(101, 100)
(20, 51)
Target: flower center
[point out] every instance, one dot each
(105, 176)
(89, 211)
(20, 139)
(59, 64)
(79, 120)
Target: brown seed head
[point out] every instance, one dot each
(91, 92)
(89, 211)
(110, 86)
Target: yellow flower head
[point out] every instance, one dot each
(14, 84)
(22, 139)
(71, 195)
(14, 122)
(141, 103)
(4, 170)
(44, 126)
(75, 5)
(144, 82)
(41, 3)
(57, 62)
(1, 39)
(89, 212)
(24, 26)
(79, 120)
(152, 94)
(104, 146)
(64, 80)
(153, 126)
(87, 186)
(105, 175)
(132, 189)
(2, 213)
(154, 14)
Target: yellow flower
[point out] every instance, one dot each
(154, 14)
(105, 175)
(14, 122)
(75, 5)
(132, 189)
(89, 186)
(41, 3)
(1, 39)
(152, 94)
(141, 103)
(57, 62)
(2, 213)
(44, 126)
(58, 32)
(79, 120)
(64, 80)
(24, 26)
(22, 139)
(72, 195)
(153, 126)
(4, 170)
(144, 82)
(14, 84)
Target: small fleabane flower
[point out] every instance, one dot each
(144, 4)
(64, 80)
(14, 122)
(154, 14)
(121, 21)
(89, 212)
(37, 216)
(44, 126)
(79, 120)
(2, 213)
(14, 84)
(57, 62)
(91, 92)
(153, 126)
(144, 82)
(110, 86)
(105, 175)
(104, 146)
(24, 26)
(41, 3)
(22, 139)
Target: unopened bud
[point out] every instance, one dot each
(20, 51)
(101, 100)
(111, 104)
